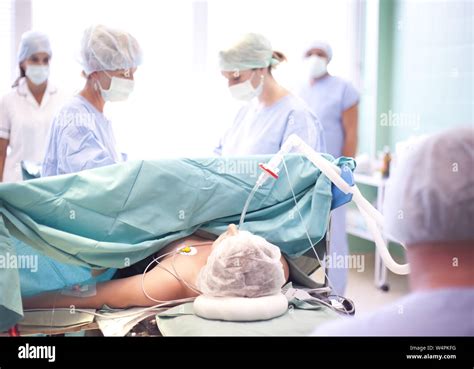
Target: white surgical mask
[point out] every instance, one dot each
(245, 91)
(119, 90)
(37, 74)
(317, 66)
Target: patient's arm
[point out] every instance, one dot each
(127, 292)
(119, 293)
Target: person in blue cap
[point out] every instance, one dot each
(27, 110)
(272, 113)
(81, 136)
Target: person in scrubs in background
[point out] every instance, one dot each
(81, 136)
(27, 110)
(335, 101)
(272, 113)
(429, 207)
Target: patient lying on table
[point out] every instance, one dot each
(237, 263)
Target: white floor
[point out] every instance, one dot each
(362, 290)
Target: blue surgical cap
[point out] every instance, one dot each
(105, 48)
(33, 42)
(322, 45)
(251, 51)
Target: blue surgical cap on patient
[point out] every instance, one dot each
(105, 48)
(430, 196)
(33, 42)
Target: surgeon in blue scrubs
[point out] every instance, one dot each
(272, 113)
(335, 101)
(81, 137)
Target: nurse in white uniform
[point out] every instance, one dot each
(272, 112)
(27, 110)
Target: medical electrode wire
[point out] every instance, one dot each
(175, 252)
(189, 285)
(307, 233)
(302, 221)
(154, 307)
(52, 311)
(115, 316)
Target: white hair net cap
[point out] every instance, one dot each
(251, 51)
(430, 197)
(105, 48)
(243, 265)
(322, 45)
(33, 42)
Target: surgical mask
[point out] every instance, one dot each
(37, 74)
(317, 66)
(245, 91)
(119, 90)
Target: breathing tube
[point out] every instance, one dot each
(373, 218)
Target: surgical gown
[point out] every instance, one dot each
(80, 138)
(329, 97)
(259, 129)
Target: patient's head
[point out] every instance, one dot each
(242, 264)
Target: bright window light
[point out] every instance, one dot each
(181, 105)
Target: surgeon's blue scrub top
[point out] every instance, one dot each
(329, 97)
(80, 138)
(259, 129)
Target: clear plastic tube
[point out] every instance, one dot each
(371, 215)
(247, 203)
